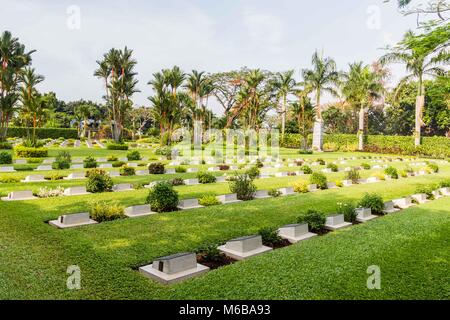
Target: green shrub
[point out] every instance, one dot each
(333, 167)
(23, 167)
(306, 169)
(320, 179)
(62, 161)
(54, 177)
(163, 151)
(163, 198)
(426, 189)
(9, 179)
(5, 145)
(5, 157)
(315, 220)
(365, 166)
(270, 237)
(209, 252)
(156, 168)
(112, 158)
(43, 133)
(253, 172)
(259, 163)
(205, 177)
(34, 160)
(90, 162)
(274, 193)
(320, 161)
(180, 169)
(29, 152)
(444, 184)
(98, 181)
(208, 200)
(103, 211)
(177, 182)
(373, 201)
(118, 164)
(134, 155)
(243, 186)
(127, 171)
(348, 209)
(301, 187)
(353, 175)
(434, 167)
(117, 146)
(392, 172)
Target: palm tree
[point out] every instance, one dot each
(284, 84)
(361, 86)
(321, 78)
(13, 59)
(420, 60)
(303, 112)
(32, 103)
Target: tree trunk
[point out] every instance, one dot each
(283, 119)
(361, 129)
(420, 104)
(318, 126)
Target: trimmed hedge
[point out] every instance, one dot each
(26, 152)
(43, 133)
(436, 147)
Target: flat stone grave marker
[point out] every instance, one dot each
(389, 207)
(72, 220)
(213, 169)
(262, 194)
(174, 268)
(7, 169)
(228, 198)
(139, 211)
(364, 214)
(77, 160)
(436, 194)
(328, 170)
(20, 161)
(77, 144)
(122, 187)
(170, 171)
(100, 160)
(191, 182)
(19, 196)
(264, 175)
(189, 204)
(295, 232)
(331, 185)
(105, 166)
(175, 163)
(362, 181)
(34, 178)
(75, 191)
(221, 179)
(445, 191)
(420, 198)
(347, 183)
(245, 247)
(88, 144)
(281, 174)
(76, 176)
(48, 161)
(191, 170)
(76, 166)
(114, 173)
(376, 167)
(336, 222)
(287, 191)
(142, 172)
(372, 180)
(403, 203)
(64, 143)
(132, 165)
(123, 159)
(347, 169)
(44, 168)
(312, 188)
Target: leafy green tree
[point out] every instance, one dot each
(284, 84)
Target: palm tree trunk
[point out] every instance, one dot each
(318, 126)
(283, 118)
(361, 129)
(420, 103)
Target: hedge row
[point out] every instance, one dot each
(437, 147)
(43, 133)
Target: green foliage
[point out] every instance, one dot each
(444, 184)
(177, 182)
(5, 157)
(365, 166)
(243, 186)
(392, 172)
(301, 187)
(34, 160)
(54, 177)
(156, 168)
(209, 252)
(348, 209)
(433, 167)
(274, 193)
(62, 161)
(353, 175)
(205, 177)
(373, 201)
(90, 162)
(117, 146)
(43, 133)
(9, 179)
(5, 145)
(98, 181)
(315, 220)
(28, 152)
(333, 167)
(127, 171)
(162, 198)
(134, 155)
(112, 158)
(426, 189)
(306, 169)
(208, 200)
(103, 211)
(118, 164)
(320, 179)
(270, 236)
(253, 172)
(163, 151)
(180, 169)
(320, 161)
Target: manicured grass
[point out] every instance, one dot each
(410, 247)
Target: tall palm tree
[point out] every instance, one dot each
(33, 103)
(321, 78)
(13, 59)
(303, 112)
(285, 85)
(361, 86)
(420, 60)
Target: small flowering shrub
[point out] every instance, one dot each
(274, 193)
(348, 209)
(208, 201)
(46, 192)
(301, 187)
(391, 172)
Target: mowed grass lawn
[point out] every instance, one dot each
(410, 247)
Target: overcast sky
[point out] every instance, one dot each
(210, 35)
